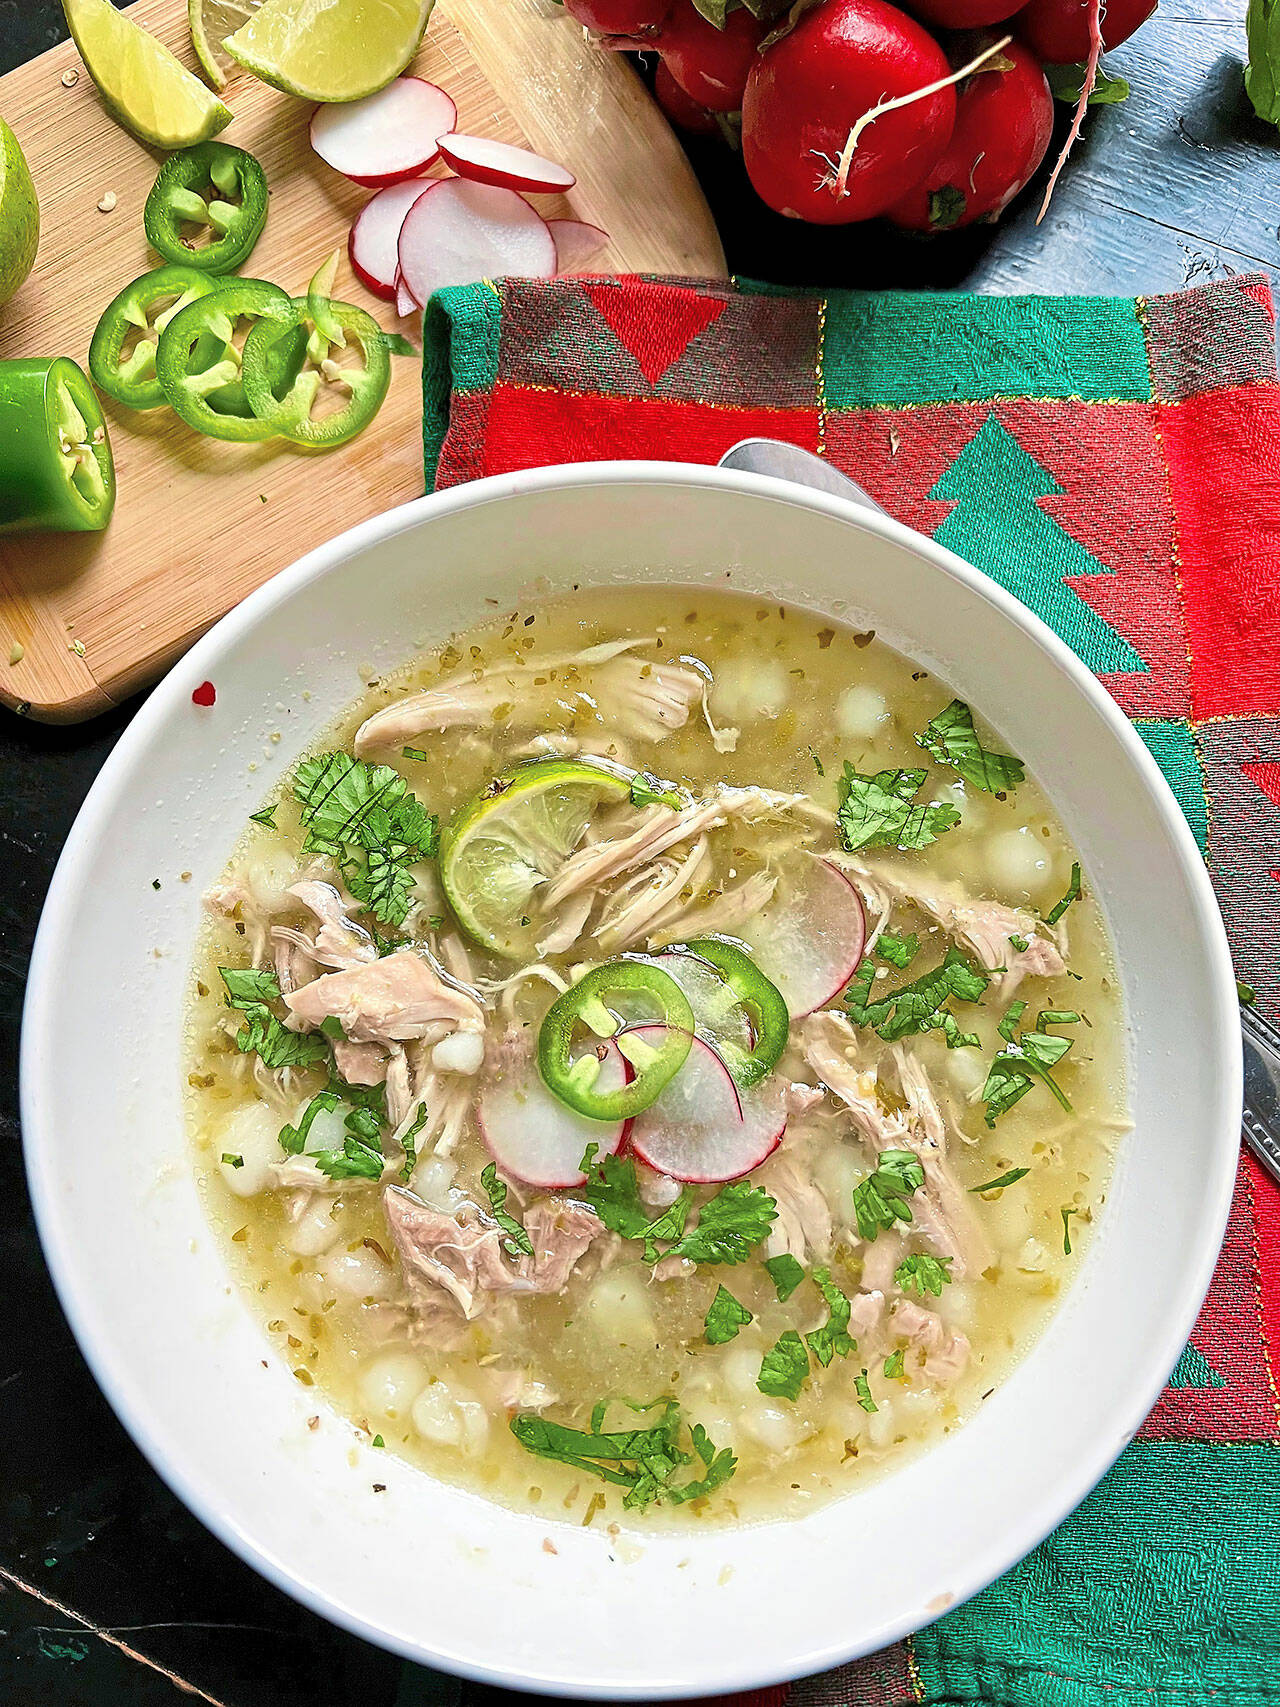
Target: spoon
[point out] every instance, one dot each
(784, 461)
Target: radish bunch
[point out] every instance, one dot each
(415, 237)
(934, 115)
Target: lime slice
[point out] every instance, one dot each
(146, 88)
(502, 846)
(330, 50)
(211, 22)
(19, 215)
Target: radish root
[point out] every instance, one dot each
(836, 176)
(1087, 82)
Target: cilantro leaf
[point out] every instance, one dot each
(726, 1317)
(293, 1139)
(730, 1225)
(895, 1365)
(897, 951)
(644, 1461)
(1074, 890)
(1067, 1212)
(785, 1367)
(923, 1274)
(881, 1199)
(231, 1160)
(612, 1191)
(862, 1387)
(274, 1044)
(952, 740)
(407, 1142)
(832, 1338)
(647, 790)
(364, 817)
(267, 816)
(1028, 1057)
(786, 1274)
(517, 1239)
(357, 1159)
(1011, 1178)
(248, 986)
(719, 1465)
(921, 1005)
(879, 811)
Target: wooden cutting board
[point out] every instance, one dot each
(199, 524)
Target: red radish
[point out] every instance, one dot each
(710, 65)
(384, 137)
(406, 303)
(962, 14)
(681, 109)
(488, 162)
(810, 92)
(1058, 31)
(1004, 120)
(576, 243)
(458, 233)
(375, 237)
(703, 1128)
(618, 17)
(809, 939)
(531, 1134)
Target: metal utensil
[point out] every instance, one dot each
(1261, 1039)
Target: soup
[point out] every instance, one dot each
(658, 1061)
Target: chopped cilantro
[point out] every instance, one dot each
(785, 1367)
(730, 1224)
(923, 1274)
(231, 1160)
(293, 1139)
(415, 753)
(1021, 943)
(516, 1238)
(786, 1274)
(1072, 894)
(1029, 1056)
(408, 1145)
(247, 986)
(1067, 1213)
(357, 1159)
(897, 951)
(880, 811)
(331, 1026)
(832, 1338)
(881, 1198)
(647, 790)
(1011, 1178)
(895, 1365)
(267, 815)
(364, 817)
(644, 1461)
(817, 763)
(862, 1387)
(726, 1317)
(377, 1441)
(952, 740)
(921, 1005)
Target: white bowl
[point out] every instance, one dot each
(440, 1575)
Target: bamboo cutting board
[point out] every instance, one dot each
(198, 524)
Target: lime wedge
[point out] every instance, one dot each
(19, 215)
(503, 845)
(211, 22)
(146, 88)
(330, 50)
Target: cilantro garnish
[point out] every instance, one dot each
(366, 820)
(231, 1160)
(1011, 1178)
(249, 990)
(415, 753)
(331, 1026)
(730, 1224)
(361, 1154)
(726, 1317)
(267, 815)
(786, 1274)
(785, 1367)
(879, 811)
(1073, 894)
(1021, 943)
(247, 985)
(293, 1139)
(897, 951)
(817, 763)
(516, 1238)
(862, 1387)
(1067, 1213)
(1028, 1056)
(647, 790)
(921, 1005)
(359, 1158)
(895, 1365)
(952, 740)
(644, 1461)
(881, 1199)
(832, 1338)
(923, 1274)
(407, 1143)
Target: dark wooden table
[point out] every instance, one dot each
(110, 1592)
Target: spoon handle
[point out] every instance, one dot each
(1261, 1088)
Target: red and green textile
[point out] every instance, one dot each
(1116, 464)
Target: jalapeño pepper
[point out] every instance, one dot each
(56, 471)
(762, 1001)
(208, 395)
(365, 383)
(122, 356)
(214, 188)
(607, 1002)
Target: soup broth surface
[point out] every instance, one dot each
(875, 1328)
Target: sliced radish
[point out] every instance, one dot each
(458, 233)
(718, 1016)
(385, 137)
(374, 242)
(532, 1135)
(809, 939)
(576, 243)
(703, 1128)
(487, 162)
(406, 303)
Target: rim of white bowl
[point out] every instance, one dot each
(1062, 1496)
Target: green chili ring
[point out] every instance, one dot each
(208, 398)
(368, 385)
(235, 212)
(131, 379)
(586, 1003)
(762, 1000)
(56, 470)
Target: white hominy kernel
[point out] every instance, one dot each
(315, 1230)
(861, 712)
(390, 1383)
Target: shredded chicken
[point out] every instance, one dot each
(803, 1225)
(386, 1001)
(360, 1063)
(724, 915)
(338, 942)
(641, 906)
(945, 1350)
(643, 699)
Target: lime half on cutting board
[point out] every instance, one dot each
(149, 91)
(211, 22)
(19, 215)
(330, 50)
